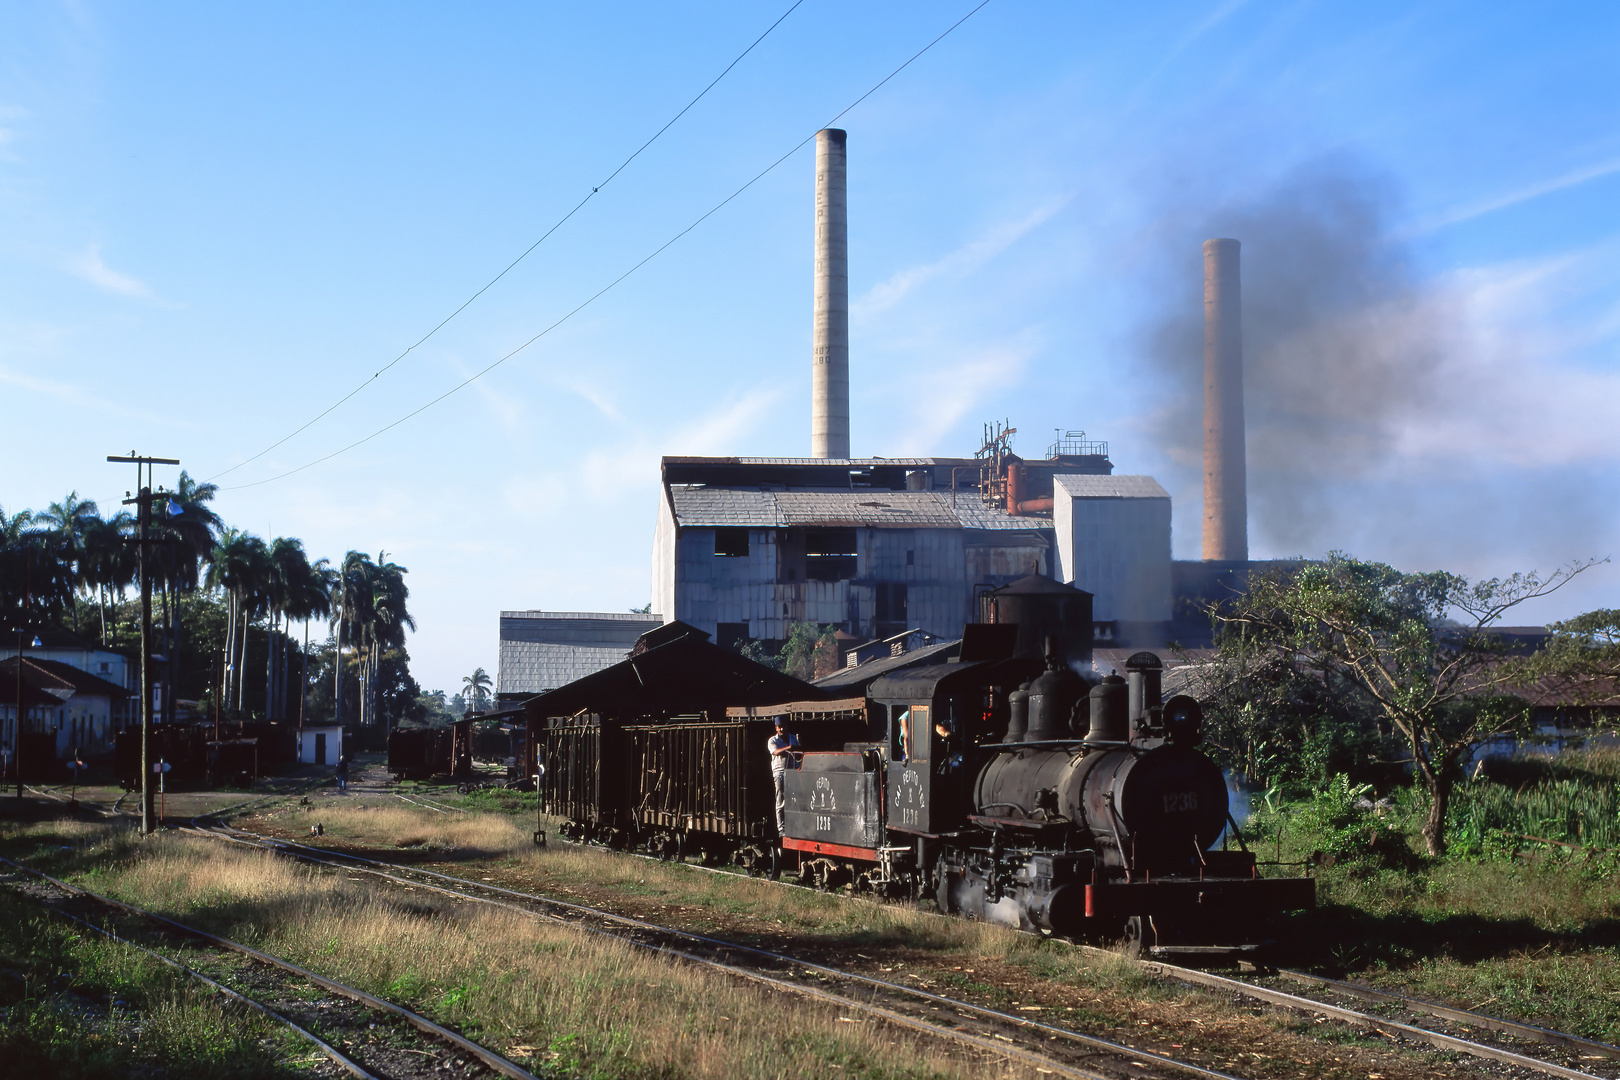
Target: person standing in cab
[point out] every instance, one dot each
(781, 747)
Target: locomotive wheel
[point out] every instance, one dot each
(776, 863)
(1138, 935)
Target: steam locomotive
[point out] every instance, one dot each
(1076, 810)
(1002, 784)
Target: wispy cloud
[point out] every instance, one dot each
(64, 392)
(959, 387)
(597, 398)
(1217, 15)
(962, 261)
(9, 114)
(92, 268)
(618, 472)
(1501, 201)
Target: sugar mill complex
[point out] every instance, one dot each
(901, 550)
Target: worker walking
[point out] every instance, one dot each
(342, 774)
(781, 748)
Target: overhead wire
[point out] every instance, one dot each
(616, 281)
(525, 254)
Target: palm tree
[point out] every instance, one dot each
(311, 599)
(16, 541)
(372, 608)
(192, 526)
(67, 523)
(109, 560)
(476, 688)
(186, 528)
(239, 565)
(392, 619)
(353, 613)
(289, 578)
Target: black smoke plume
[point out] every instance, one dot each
(1341, 342)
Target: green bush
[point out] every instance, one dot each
(1330, 828)
(1489, 819)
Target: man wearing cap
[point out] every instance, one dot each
(781, 748)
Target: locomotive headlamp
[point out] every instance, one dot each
(1183, 721)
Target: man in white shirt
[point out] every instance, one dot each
(781, 748)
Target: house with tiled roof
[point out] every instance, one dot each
(79, 709)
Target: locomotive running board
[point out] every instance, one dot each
(818, 847)
(1218, 896)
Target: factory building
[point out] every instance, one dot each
(1112, 538)
(745, 548)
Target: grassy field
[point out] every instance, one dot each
(579, 1005)
(545, 994)
(78, 1006)
(1533, 938)
(1504, 924)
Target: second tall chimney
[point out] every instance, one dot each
(829, 378)
(1226, 500)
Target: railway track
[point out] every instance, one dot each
(1580, 1055)
(1501, 1052)
(281, 979)
(1061, 1051)
(1578, 1049)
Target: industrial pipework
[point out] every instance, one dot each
(829, 380)
(1226, 501)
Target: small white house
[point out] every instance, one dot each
(320, 745)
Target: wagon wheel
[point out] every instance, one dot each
(942, 887)
(776, 862)
(823, 874)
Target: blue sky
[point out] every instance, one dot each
(215, 220)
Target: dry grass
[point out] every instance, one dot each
(538, 990)
(403, 826)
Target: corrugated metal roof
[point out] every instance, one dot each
(717, 506)
(875, 509)
(616, 616)
(725, 507)
(1084, 486)
(859, 677)
(532, 667)
(975, 515)
(846, 462)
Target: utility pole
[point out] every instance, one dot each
(143, 509)
(22, 628)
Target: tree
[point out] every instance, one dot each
(66, 524)
(372, 608)
(1284, 720)
(285, 586)
(1417, 645)
(191, 527)
(239, 565)
(476, 688)
(809, 651)
(35, 582)
(109, 560)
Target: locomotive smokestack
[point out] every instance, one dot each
(1226, 501)
(829, 379)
